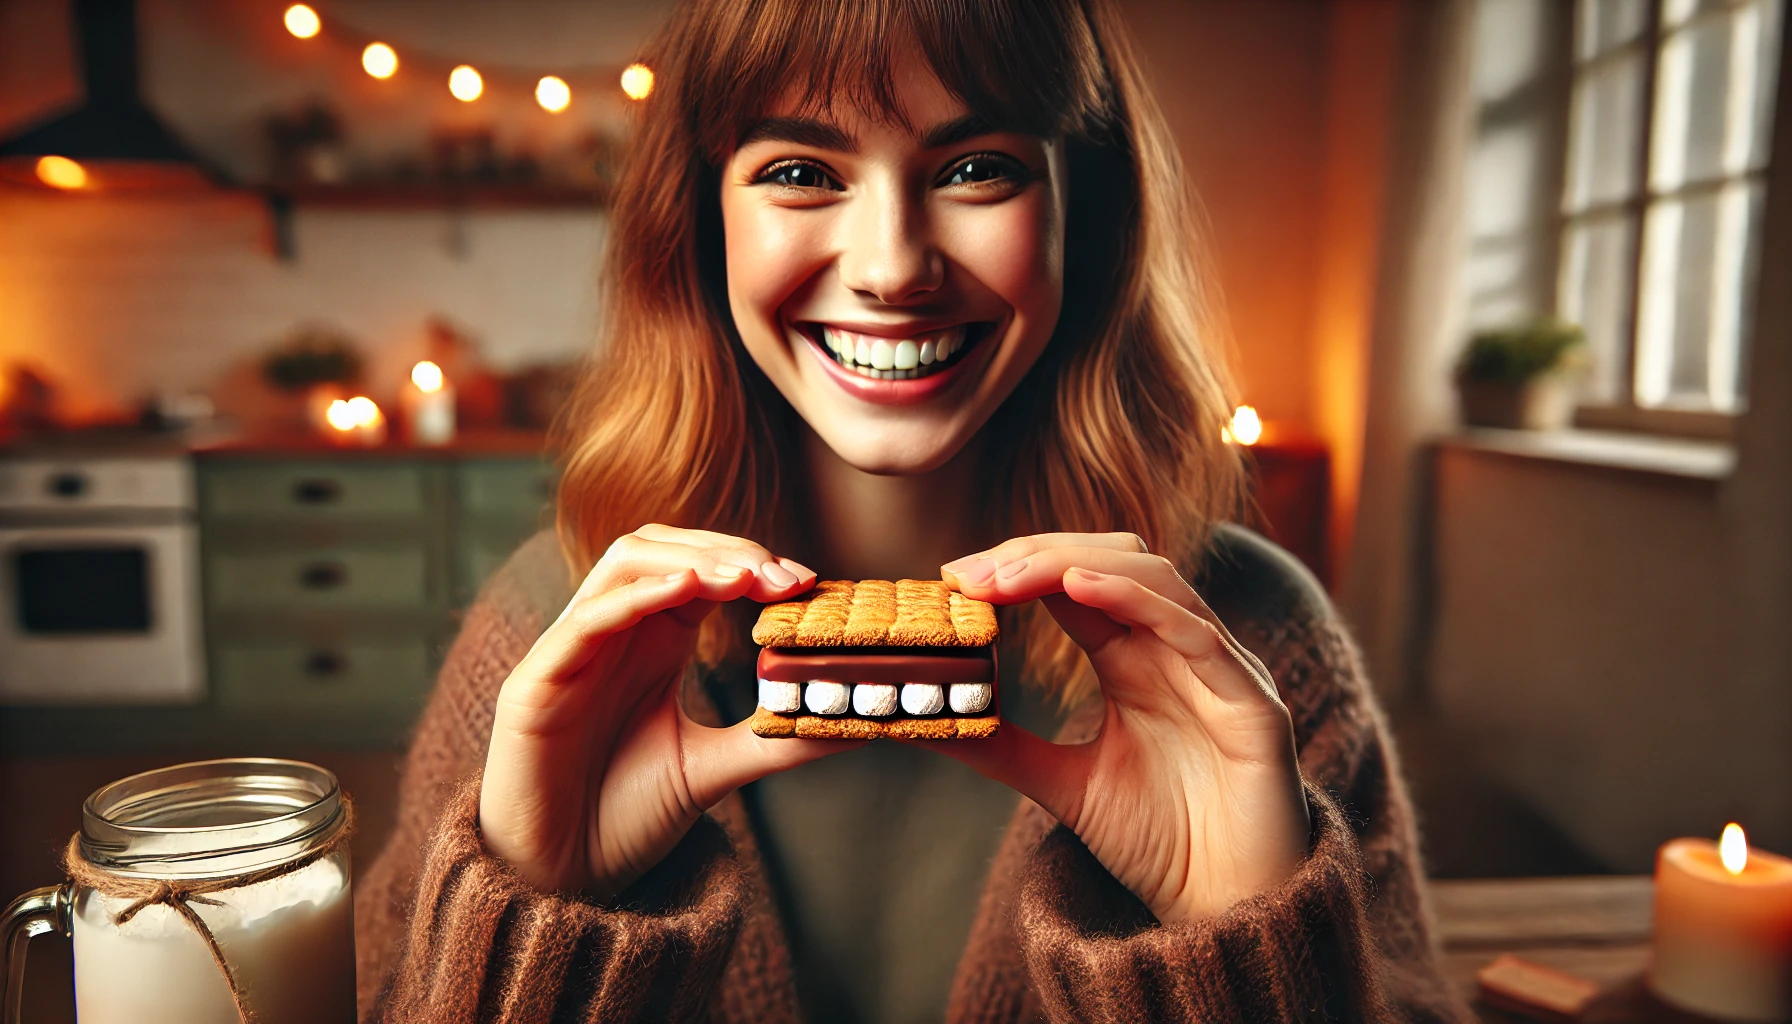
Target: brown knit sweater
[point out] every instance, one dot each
(446, 933)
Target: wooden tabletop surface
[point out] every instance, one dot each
(1596, 927)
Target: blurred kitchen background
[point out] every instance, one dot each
(287, 297)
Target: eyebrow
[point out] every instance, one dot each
(823, 134)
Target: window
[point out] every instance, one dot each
(1669, 128)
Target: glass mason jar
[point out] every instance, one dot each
(289, 939)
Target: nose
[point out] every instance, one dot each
(887, 254)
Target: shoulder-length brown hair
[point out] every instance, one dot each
(1117, 427)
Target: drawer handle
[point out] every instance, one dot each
(324, 664)
(316, 492)
(323, 575)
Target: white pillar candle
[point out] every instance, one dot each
(429, 405)
(1723, 929)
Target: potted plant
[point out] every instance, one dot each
(315, 363)
(1523, 376)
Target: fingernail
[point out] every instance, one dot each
(728, 570)
(776, 575)
(979, 572)
(958, 565)
(804, 574)
(1090, 575)
(1011, 570)
(674, 577)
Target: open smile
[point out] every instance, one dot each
(888, 368)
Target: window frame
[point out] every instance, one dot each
(1625, 413)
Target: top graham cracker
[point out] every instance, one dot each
(878, 613)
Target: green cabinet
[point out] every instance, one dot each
(332, 584)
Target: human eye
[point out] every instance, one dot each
(805, 174)
(984, 171)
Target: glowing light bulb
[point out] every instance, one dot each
(302, 21)
(637, 81)
(428, 377)
(553, 94)
(362, 412)
(340, 416)
(1246, 427)
(1732, 849)
(465, 83)
(61, 172)
(379, 60)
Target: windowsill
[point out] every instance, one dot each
(1604, 449)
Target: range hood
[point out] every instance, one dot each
(112, 133)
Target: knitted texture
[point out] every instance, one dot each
(447, 934)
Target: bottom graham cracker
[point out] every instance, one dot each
(772, 725)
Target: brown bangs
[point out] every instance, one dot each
(1029, 66)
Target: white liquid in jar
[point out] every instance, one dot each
(290, 941)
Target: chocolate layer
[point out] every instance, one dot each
(879, 664)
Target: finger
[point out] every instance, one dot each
(1052, 775)
(1022, 547)
(1208, 651)
(719, 761)
(1042, 573)
(722, 541)
(633, 557)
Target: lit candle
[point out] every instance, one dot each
(1723, 929)
(429, 405)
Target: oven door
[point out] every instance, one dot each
(100, 614)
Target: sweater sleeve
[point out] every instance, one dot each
(1346, 938)
(481, 944)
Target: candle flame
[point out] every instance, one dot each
(1733, 849)
(61, 172)
(363, 412)
(1246, 427)
(340, 416)
(428, 377)
(637, 81)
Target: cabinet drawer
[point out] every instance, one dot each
(322, 676)
(319, 579)
(511, 488)
(316, 490)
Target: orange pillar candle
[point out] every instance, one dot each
(1723, 929)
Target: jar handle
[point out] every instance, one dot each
(35, 913)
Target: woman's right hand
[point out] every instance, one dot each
(594, 771)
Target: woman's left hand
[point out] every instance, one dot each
(1191, 794)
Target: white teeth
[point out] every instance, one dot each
(948, 345)
(883, 354)
(908, 355)
(971, 698)
(861, 353)
(923, 698)
(874, 700)
(777, 696)
(825, 698)
(925, 356)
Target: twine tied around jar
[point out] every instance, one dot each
(179, 896)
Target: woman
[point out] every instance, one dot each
(901, 288)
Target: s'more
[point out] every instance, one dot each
(910, 659)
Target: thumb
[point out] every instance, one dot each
(1052, 775)
(719, 761)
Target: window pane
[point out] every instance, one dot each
(1700, 258)
(1713, 96)
(1603, 25)
(1598, 259)
(1603, 137)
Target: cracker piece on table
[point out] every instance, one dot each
(1544, 993)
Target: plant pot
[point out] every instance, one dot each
(1542, 403)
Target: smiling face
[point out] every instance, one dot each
(894, 283)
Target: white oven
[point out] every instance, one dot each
(99, 581)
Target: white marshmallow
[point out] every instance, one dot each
(923, 698)
(971, 698)
(825, 698)
(777, 696)
(874, 700)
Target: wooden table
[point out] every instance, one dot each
(1598, 928)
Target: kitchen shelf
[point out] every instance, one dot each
(454, 197)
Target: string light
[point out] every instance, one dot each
(465, 83)
(379, 60)
(61, 172)
(637, 81)
(428, 377)
(1246, 427)
(553, 94)
(302, 21)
